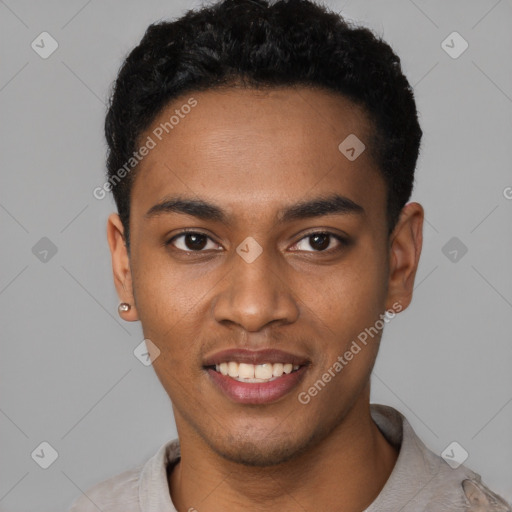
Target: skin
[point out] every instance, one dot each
(253, 153)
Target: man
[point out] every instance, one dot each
(261, 157)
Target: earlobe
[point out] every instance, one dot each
(405, 248)
(121, 268)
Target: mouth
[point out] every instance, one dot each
(247, 372)
(255, 377)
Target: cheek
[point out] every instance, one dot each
(169, 302)
(348, 335)
(349, 312)
(166, 292)
(360, 302)
(353, 295)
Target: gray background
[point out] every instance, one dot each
(69, 376)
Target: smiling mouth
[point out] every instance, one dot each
(254, 373)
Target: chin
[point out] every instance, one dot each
(261, 451)
(258, 455)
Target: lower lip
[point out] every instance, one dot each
(257, 392)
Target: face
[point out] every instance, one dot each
(273, 261)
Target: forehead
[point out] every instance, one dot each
(244, 146)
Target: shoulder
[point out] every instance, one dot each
(116, 494)
(462, 490)
(482, 499)
(143, 487)
(422, 480)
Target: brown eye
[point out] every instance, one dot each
(191, 241)
(322, 241)
(319, 241)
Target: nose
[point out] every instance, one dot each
(255, 294)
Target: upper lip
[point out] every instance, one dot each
(254, 357)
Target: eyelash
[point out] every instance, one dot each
(343, 242)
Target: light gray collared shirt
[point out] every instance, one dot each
(421, 481)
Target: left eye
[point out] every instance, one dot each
(321, 241)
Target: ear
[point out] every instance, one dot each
(121, 266)
(405, 249)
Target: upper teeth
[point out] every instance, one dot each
(259, 372)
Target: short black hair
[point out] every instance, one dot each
(263, 44)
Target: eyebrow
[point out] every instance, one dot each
(333, 204)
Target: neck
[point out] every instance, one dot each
(345, 472)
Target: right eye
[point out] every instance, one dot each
(191, 241)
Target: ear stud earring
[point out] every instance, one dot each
(124, 307)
